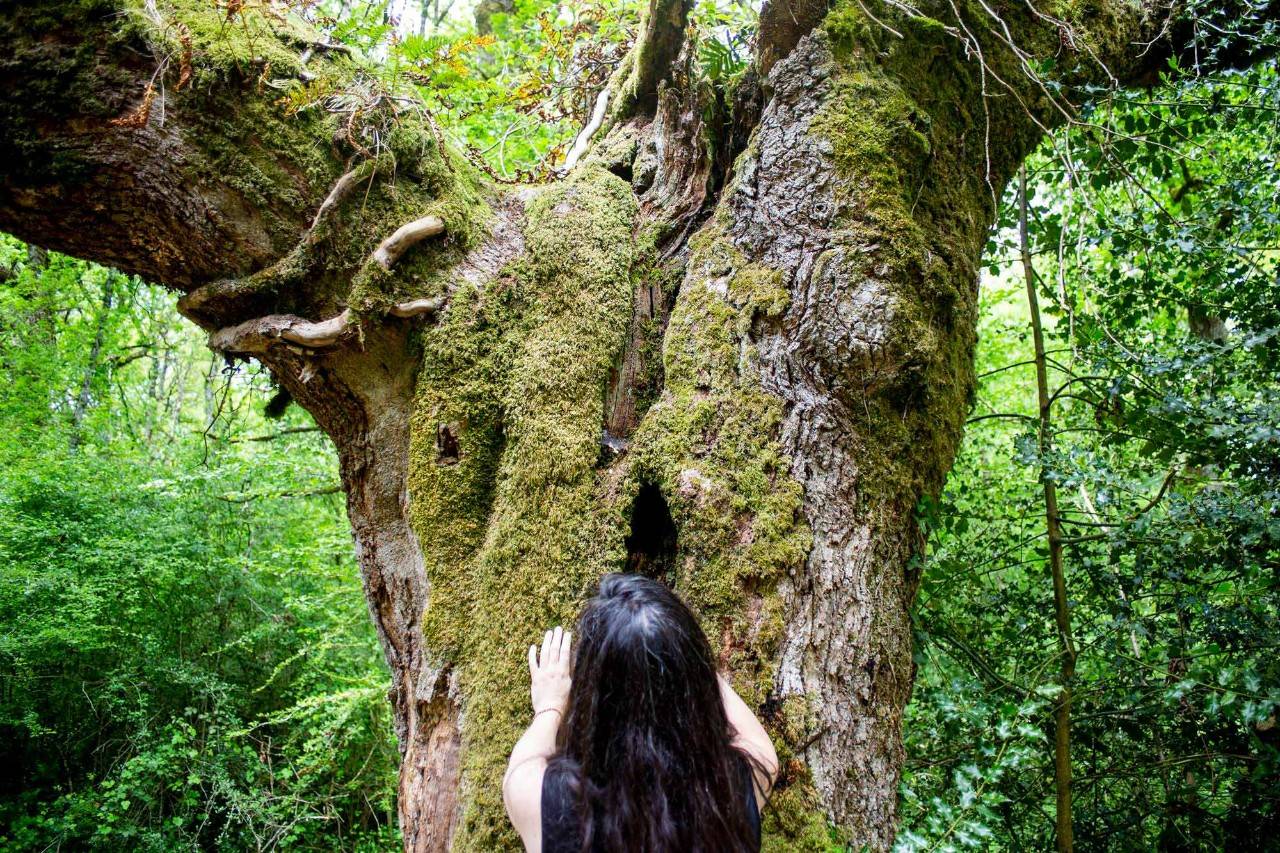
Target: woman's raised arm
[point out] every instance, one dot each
(750, 737)
(549, 692)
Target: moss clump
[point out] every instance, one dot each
(895, 119)
(511, 529)
(241, 45)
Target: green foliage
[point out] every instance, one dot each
(722, 34)
(186, 658)
(1154, 230)
(512, 83)
(513, 95)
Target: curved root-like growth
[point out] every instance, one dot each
(390, 249)
(417, 307)
(222, 297)
(341, 189)
(256, 335)
(589, 130)
(253, 337)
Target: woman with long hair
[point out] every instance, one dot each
(637, 743)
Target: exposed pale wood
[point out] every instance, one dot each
(417, 307)
(584, 136)
(341, 189)
(390, 249)
(254, 336)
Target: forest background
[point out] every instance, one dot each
(186, 661)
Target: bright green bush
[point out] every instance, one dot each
(186, 656)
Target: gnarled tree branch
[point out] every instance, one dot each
(589, 130)
(652, 58)
(256, 335)
(390, 249)
(253, 337)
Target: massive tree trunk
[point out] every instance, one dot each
(732, 348)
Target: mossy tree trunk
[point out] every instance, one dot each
(732, 349)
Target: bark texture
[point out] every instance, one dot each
(732, 348)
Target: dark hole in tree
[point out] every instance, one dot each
(622, 170)
(446, 445)
(278, 404)
(651, 545)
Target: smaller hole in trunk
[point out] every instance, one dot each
(447, 444)
(651, 546)
(622, 170)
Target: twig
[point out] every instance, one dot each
(310, 493)
(584, 136)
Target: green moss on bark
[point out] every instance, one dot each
(710, 444)
(519, 522)
(920, 172)
(512, 530)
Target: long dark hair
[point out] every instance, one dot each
(645, 748)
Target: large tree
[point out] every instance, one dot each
(730, 347)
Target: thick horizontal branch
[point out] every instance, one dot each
(155, 195)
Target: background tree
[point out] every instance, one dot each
(746, 315)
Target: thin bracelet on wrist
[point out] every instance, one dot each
(545, 710)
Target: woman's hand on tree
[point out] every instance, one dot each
(549, 672)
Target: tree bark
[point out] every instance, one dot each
(732, 348)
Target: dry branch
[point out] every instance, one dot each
(584, 136)
(390, 249)
(255, 336)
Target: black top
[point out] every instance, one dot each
(562, 829)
